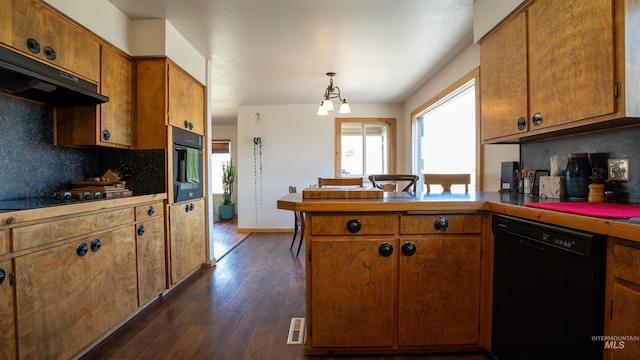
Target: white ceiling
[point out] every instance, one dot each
(273, 52)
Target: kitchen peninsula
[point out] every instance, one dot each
(413, 272)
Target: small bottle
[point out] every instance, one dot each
(527, 185)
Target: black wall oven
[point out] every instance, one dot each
(188, 182)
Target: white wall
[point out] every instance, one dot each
(154, 37)
(297, 148)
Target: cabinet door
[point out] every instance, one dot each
(151, 260)
(116, 82)
(187, 238)
(186, 101)
(6, 8)
(571, 60)
(7, 329)
(53, 306)
(623, 299)
(439, 291)
(353, 292)
(114, 292)
(503, 88)
(75, 50)
(624, 322)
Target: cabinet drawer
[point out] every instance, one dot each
(626, 264)
(40, 234)
(439, 224)
(149, 210)
(366, 224)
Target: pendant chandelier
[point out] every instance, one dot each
(332, 92)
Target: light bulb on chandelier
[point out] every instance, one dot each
(332, 92)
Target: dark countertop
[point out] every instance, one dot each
(498, 202)
(15, 212)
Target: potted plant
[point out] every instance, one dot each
(227, 208)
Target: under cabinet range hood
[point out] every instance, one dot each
(24, 77)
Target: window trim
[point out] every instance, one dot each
(390, 122)
(420, 110)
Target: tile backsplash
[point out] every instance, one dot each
(612, 144)
(32, 166)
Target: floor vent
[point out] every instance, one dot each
(296, 331)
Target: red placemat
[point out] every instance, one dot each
(597, 209)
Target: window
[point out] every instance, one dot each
(445, 132)
(220, 154)
(365, 146)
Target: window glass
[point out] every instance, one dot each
(221, 154)
(364, 146)
(445, 136)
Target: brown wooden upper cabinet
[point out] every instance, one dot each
(38, 31)
(109, 124)
(165, 95)
(556, 66)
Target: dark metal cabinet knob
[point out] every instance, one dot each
(49, 53)
(140, 230)
(3, 275)
(151, 210)
(536, 120)
(186, 208)
(33, 45)
(354, 225)
(95, 245)
(106, 135)
(82, 249)
(521, 123)
(441, 224)
(191, 206)
(385, 249)
(186, 124)
(408, 248)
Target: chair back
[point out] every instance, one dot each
(389, 182)
(446, 180)
(324, 182)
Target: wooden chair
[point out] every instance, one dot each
(388, 182)
(446, 180)
(298, 224)
(324, 182)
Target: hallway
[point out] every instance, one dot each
(226, 236)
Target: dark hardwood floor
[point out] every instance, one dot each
(226, 237)
(241, 309)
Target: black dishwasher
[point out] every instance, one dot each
(548, 291)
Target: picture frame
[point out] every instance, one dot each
(618, 169)
(535, 186)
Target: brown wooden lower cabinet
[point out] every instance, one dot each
(622, 328)
(7, 329)
(76, 276)
(187, 238)
(68, 295)
(395, 284)
(152, 280)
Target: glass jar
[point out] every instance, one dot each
(577, 176)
